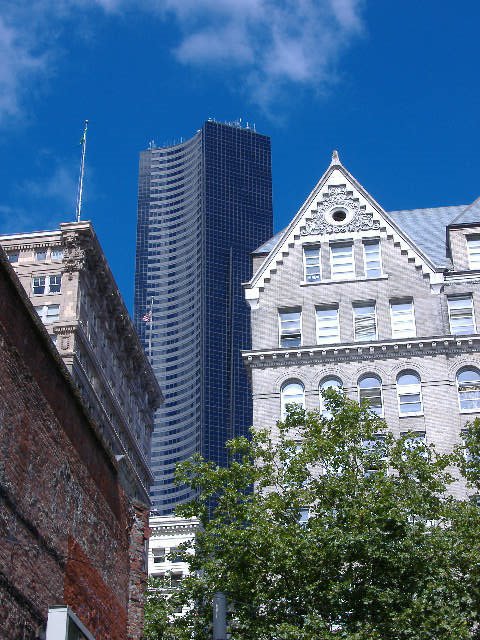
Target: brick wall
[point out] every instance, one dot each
(67, 530)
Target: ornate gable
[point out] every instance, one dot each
(337, 206)
(339, 212)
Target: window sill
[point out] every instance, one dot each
(469, 410)
(411, 415)
(304, 283)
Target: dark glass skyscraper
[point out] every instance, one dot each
(203, 206)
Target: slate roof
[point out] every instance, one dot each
(426, 228)
(469, 215)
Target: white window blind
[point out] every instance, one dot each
(365, 322)
(473, 248)
(290, 328)
(311, 263)
(409, 393)
(460, 313)
(342, 261)
(403, 319)
(371, 254)
(328, 328)
(468, 384)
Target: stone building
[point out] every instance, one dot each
(70, 535)
(382, 304)
(166, 534)
(66, 276)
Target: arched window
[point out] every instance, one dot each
(468, 385)
(409, 393)
(293, 392)
(370, 391)
(328, 383)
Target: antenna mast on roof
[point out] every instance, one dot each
(83, 142)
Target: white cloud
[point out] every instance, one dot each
(18, 65)
(270, 44)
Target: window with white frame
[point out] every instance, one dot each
(328, 326)
(46, 284)
(460, 314)
(409, 393)
(13, 256)
(403, 318)
(342, 263)
(48, 313)
(473, 250)
(41, 255)
(292, 392)
(468, 385)
(158, 555)
(311, 263)
(374, 450)
(290, 328)
(370, 391)
(372, 259)
(416, 441)
(38, 285)
(364, 321)
(328, 383)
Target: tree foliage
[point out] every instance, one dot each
(348, 534)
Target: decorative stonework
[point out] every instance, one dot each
(339, 197)
(416, 347)
(74, 257)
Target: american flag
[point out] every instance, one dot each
(147, 317)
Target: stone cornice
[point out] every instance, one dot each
(362, 351)
(173, 529)
(83, 253)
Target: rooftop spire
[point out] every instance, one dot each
(335, 158)
(83, 142)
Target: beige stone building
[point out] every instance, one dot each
(68, 280)
(382, 304)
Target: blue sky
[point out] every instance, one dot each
(392, 85)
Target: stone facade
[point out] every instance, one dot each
(403, 264)
(69, 533)
(166, 534)
(67, 278)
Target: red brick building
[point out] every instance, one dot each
(68, 532)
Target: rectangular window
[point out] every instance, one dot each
(13, 256)
(328, 327)
(371, 255)
(460, 313)
(46, 284)
(311, 263)
(158, 555)
(290, 328)
(56, 254)
(473, 249)
(54, 283)
(41, 256)
(364, 322)
(403, 319)
(48, 313)
(342, 264)
(38, 285)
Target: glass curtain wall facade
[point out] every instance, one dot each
(203, 206)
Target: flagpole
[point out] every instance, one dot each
(150, 331)
(82, 170)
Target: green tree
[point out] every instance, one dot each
(348, 533)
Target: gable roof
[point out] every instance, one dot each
(337, 184)
(426, 229)
(470, 215)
